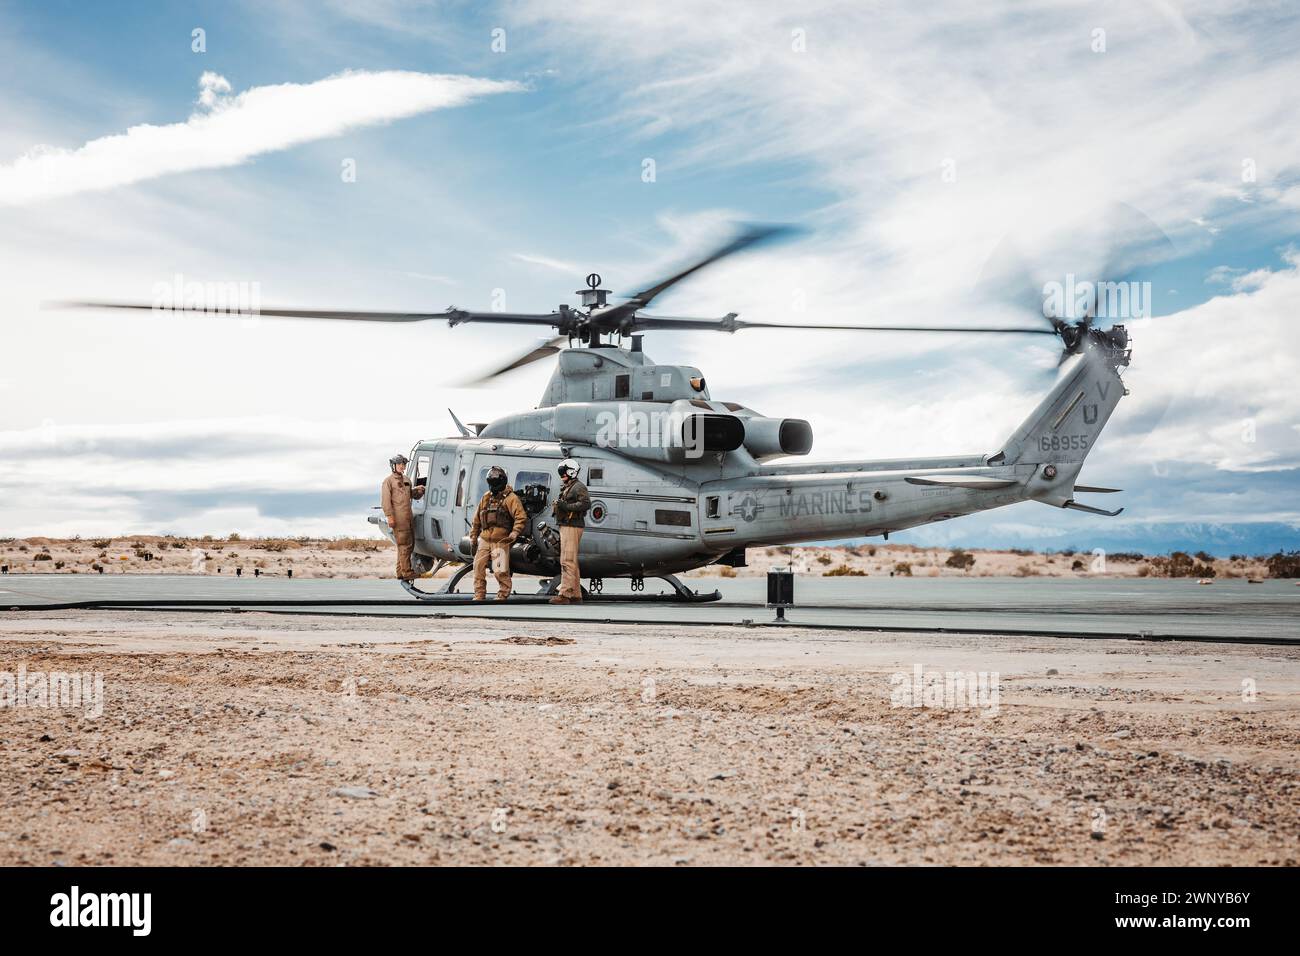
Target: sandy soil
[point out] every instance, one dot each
(367, 558)
(263, 738)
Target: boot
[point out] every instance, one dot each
(560, 599)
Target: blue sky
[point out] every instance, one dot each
(841, 118)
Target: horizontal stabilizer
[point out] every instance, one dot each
(974, 482)
(1091, 510)
(1100, 491)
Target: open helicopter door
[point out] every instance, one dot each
(436, 524)
(462, 503)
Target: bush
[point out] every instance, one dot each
(903, 568)
(275, 544)
(1284, 565)
(1076, 566)
(823, 559)
(356, 544)
(726, 571)
(844, 571)
(43, 556)
(961, 560)
(1206, 558)
(1026, 571)
(1179, 564)
(1126, 557)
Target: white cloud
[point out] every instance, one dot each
(227, 130)
(557, 265)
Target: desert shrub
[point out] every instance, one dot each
(101, 543)
(1284, 564)
(844, 571)
(1026, 571)
(1180, 564)
(1202, 556)
(823, 559)
(903, 568)
(1126, 557)
(43, 556)
(1076, 566)
(356, 544)
(961, 560)
(726, 571)
(275, 544)
(1022, 552)
(58, 565)
(234, 536)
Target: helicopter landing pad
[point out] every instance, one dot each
(1228, 610)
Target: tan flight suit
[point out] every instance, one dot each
(570, 505)
(499, 520)
(395, 495)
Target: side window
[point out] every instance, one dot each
(480, 485)
(422, 463)
(526, 478)
(622, 386)
(460, 489)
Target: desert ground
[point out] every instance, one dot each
(307, 740)
(375, 558)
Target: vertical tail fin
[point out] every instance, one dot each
(1064, 427)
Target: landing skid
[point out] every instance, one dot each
(681, 594)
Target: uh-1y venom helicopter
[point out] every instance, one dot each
(679, 480)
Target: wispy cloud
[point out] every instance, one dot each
(558, 265)
(229, 129)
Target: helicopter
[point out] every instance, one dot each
(681, 480)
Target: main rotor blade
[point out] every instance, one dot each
(453, 315)
(729, 323)
(751, 235)
(533, 355)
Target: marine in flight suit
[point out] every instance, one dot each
(499, 520)
(395, 496)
